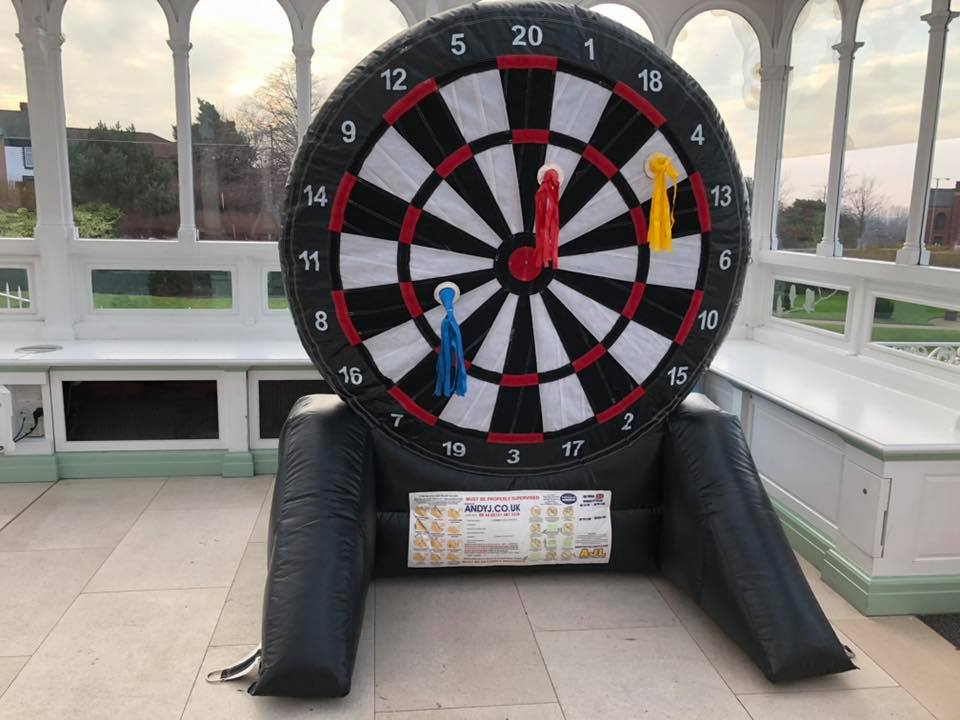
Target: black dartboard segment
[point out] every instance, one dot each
(422, 167)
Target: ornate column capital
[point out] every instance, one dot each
(38, 44)
(302, 51)
(847, 49)
(774, 73)
(938, 20)
(180, 48)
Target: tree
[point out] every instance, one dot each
(862, 202)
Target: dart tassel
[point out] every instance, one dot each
(451, 368)
(547, 220)
(660, 230)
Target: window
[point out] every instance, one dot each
(927, 331)
(882, 134)
(808, 127)
(14, 289)
(824, 308)
(28, 157)
(18, 206)
(720, 49)
(119, 98)
(162, 289)
(244, 125)
(625, 16)
(943, 201)
(276, 295)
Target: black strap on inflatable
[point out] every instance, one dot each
(235, 671)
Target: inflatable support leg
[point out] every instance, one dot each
(723, 544)
(320, 550)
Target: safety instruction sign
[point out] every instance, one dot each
(509, 528)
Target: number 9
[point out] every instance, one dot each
(349, 130)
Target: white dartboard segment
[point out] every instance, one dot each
(393, 165)
(427, 262)
(398, 350)
(596, 318)
(679, 268)
(563, 403)
(547, 344)
(464, 307)
(446, 204)
(619, 264)
(564, 159)
(476, 103)
(499, 169)
(493, 350)
(639, 350)
(367, 261)
(603, 207)
(635, 170)
(475, 409)
(577, 106)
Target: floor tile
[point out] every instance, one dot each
(832, 603)
(14, 497)
(80, 513)
(178, 549)
(211, 493)
(230, 701)
(867, 704)
(740, 672)
(4, 519)
(9, 667)
(579, 601)
(455, 641)
(240, 620)
(925, 664)
(259, 533)
(501, 712)
(38, 586)
(127, 655)
(628, 673)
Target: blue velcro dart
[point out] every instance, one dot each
(451, 369)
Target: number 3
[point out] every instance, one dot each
(513, 456)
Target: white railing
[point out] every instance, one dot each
(13, 298)
(948, 353)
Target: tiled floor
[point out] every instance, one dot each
(118, 596)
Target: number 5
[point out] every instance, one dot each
(457, 45)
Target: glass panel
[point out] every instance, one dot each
(118, 92)
(625, 16)
(162, 290)
(924, 330)
(18, 205)
(941, 228)
(721, 51)
(14, 289)
(276, 295)
(879, 159)
(811, 305)
(244, 125)
(808, 127)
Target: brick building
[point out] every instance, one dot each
(943, 217)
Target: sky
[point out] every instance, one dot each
(117, 67)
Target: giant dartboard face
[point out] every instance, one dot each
(422, 168)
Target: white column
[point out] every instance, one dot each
(830, 244)
(912, 252)
(181, 85)
(55, 229)
(302, 53)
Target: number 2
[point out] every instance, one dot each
(627, 422)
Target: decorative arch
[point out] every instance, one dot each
(409, 14)
(849, 11)
(760, 29)
(654, 28)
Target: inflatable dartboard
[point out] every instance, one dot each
(422, 171)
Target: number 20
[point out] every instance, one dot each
(527, 35)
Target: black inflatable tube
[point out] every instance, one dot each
(722, 542)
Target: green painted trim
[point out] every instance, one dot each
(237, 464)
(28, 468)
(871, 595)
(141, 463)
(265, 461)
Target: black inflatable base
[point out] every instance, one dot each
(687, 502)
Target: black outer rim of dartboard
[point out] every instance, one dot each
(424, 51)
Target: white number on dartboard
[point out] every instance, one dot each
(524, 35)
(726, 259)
(397, 417)
(651, 80)
(709, 319)
(678, 375)
(572, 448)
(395, 79)
(320, 321)
(351, 375)
(310, 257)
(455, 449)
(513, 456)
(697, 136)
(349, 130)
(589, 46)
(316, 198)
(722, 195)
(627, 422)
(457, 45)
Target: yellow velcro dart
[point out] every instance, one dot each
(660, 230)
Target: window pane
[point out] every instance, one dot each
(14, 289)
(276, 295)
(721, 51)
(808, 127)
(162, 290)
(923, 330)
(244, 126)
(18, 206)
(820, 307)
(118, 92)
(625, 16)
(882, 135)
(942, 227)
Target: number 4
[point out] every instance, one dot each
(697, 136)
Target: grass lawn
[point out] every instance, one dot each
(277, 303)
(112, 301)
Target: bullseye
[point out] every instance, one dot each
(523, 264)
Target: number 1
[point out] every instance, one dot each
(589, 46)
